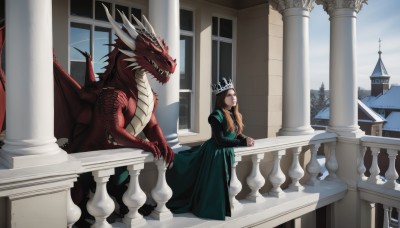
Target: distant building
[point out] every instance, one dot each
(387, 104)
(379, 77)
(384, 99)
(368, 120)
(379, 113)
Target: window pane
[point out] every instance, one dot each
(225, 60)
(184, 110)
(186, 60)
(2, 13)
(214, 61)
(215, 26)
(214, 73)
(122, 9)
(83, 8)
(102, 37)
(100, 12)
(186, 20)
(226, 28)
(78, 70)
(79, 38)
(137, 13)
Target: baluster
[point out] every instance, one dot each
(73, 211)
(391, 174)
(332, 164)
(372, 215)
(235, 186)
(361, 167)
(313, 167)
(134, 197)
(386, 217)
(255, 180)
(161, 193)
(374, 170)
(277, 177)
(101, 205)
(296, 172)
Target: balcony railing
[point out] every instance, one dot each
(280, 179)
(276, 181)
(382, 184)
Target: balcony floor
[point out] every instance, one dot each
(272, 211)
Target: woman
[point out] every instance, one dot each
(200, 177)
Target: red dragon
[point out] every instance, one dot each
(111, 112)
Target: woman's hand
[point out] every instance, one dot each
(250, 141)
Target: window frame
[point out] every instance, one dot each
(93, 23)
(192, 91)
(219, 39)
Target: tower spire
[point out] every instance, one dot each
(380, 52)
(380, 77)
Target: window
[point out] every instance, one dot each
(90, 32)
(186, 70)
(222, 50)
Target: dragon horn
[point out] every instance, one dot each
(128, 26)
(121, 34)
(149, 28)
(138, 22)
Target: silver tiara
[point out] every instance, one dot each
(222, 85)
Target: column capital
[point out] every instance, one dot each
(331, 5)
(281, 6)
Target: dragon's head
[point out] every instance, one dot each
(146, 51)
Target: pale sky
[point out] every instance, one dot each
(378, 19)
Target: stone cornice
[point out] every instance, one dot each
(331, 5)
(281, 5)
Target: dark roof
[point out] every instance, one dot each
(380, 70)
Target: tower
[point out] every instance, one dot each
(380, 77)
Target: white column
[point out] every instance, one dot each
(343, 66)
(29, 137)
(296, 75)
(164, 16)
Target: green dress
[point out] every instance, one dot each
(200, 177)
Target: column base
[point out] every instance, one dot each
(13, 161)
(277, 194)
(350, 132)
(134, 222)
(161, 216)
(172, 140)
(257, 199)
(305, 130)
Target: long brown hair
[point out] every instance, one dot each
(220, 103)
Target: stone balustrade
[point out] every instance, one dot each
(102, 165)
(379, 181)
(303, 173)
(277, 180)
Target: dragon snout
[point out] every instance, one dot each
(172, 65)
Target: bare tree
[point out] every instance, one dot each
(317, 102)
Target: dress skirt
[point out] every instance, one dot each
(199, 179)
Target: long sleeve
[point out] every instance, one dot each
(218, 135)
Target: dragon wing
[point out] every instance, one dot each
(67, 102)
